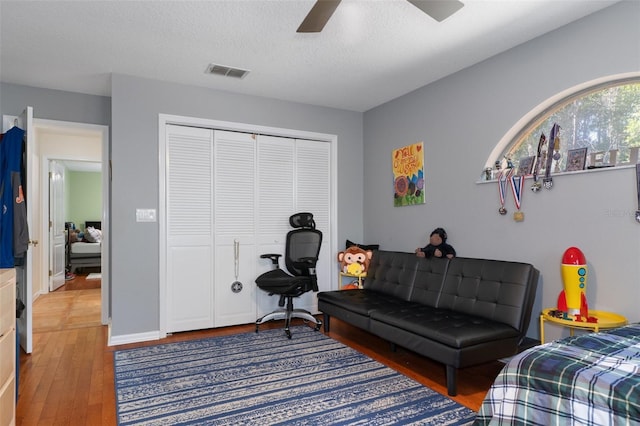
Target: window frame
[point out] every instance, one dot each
(539, 114)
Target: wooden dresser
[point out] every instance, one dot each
(7, 347)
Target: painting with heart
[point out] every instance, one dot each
(408, 175)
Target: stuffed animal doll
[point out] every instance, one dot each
(355, 261)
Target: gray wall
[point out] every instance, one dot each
(55, 104)
(462, 117)
(134, 151)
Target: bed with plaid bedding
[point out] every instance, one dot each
(591, 379)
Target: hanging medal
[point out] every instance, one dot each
(548, 180)
(517, 185)
(537, 185)
(503, 181)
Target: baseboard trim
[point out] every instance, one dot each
(132, 338)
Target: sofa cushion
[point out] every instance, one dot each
(360, 301)
(391, 273)
(491, 289)
(453, 329)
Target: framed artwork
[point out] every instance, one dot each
(408, 175)
(525, 165)
(576, 159)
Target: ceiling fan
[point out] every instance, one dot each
(322, 10)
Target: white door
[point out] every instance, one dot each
(228, 197)
(313, 194)
(189, 228)
(25, 272)
(234, 199)
(294, 175)
(57, 238)
(276, 202)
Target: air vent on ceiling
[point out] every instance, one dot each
(226, 71)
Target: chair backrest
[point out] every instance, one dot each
(303, 245)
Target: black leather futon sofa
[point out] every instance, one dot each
(460, 312)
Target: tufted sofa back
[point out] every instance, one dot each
(391, 273)
(498, 290)
(430, 275)
(494, 289)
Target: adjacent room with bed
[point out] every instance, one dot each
(82, 205)
(84, 248)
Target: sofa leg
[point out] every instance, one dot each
(393, 347)
(452, 380)
(326, 322)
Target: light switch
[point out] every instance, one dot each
(145, 215)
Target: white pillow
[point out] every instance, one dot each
(93, 235)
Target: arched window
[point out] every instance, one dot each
(599, 127)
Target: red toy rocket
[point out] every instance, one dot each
(574, 278)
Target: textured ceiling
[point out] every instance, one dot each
(370, 52)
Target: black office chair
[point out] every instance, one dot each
(302, 250)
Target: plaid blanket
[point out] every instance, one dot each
(591, 379)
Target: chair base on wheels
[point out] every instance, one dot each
(287, 314)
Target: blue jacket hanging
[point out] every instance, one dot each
(14, 233)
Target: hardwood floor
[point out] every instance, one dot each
(68, 379)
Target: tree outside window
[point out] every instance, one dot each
(604, 119)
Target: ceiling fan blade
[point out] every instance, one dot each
(438, 9)
(318, 16)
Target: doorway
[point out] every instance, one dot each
(79, 145)
(75, 206)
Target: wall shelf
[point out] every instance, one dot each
(577, 172)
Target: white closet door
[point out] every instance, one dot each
(229, 196)
(294, 176)
(313, 194)
(276, 202)
(190, 261)
(235, 218)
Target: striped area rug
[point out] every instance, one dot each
(266, 379)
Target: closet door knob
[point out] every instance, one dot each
(33, 242)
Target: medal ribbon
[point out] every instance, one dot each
(541, 142)
(517, 184)
(555, 129)
(502, 185)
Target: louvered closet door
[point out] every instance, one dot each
(235, 226)
(276, 202)
(313, 194)
(228, 190)
(294, 176)
(190, 261)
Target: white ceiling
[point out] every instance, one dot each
(370, 52)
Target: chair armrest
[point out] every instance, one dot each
(273, 256)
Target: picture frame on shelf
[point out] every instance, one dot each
(576, 159)
(525, 165)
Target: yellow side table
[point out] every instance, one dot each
(605, 320)
(342, 275)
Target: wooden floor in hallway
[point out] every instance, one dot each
(62, 310)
